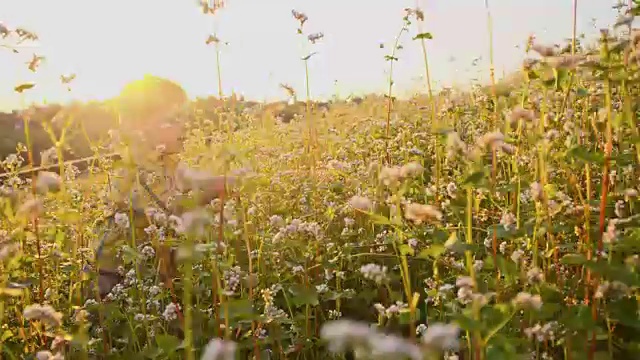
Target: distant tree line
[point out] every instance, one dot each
(87, 124)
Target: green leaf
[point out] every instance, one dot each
(585, 155)
(467, 323)
(548, 82)
(461, 248)
(573, 259)
(602, 355)
(237, 310)
(68, 216)
(503, 308)
(474, 179)
(379, 219)
(337, 187)
(433, 251)
(11, 292)
(582, 92)
(309, 56)
(562, 76)
(613, 272)
(499, 231)
(426, 35)
(617, 120)
(550, 190)
(550, 310)
(303, 295)
(432, 292)
(532, 75)
(550, 252)
(506, 266)
(7, 334)
(406, 250)
(496, 353)
(452, 240)
(620, 309)
(168, 343)
(130, 255)
(22, 87)
(404, 316)
(579, 318)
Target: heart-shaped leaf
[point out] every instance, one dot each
(426, 35)
(22, 87)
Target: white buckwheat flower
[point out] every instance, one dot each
(419, 213)
(218, 349)
(122, 220)
(48, 181)
(441, 337)
(526, 300)
(374, 272)
(360, 203)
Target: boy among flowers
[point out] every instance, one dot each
(149, 134)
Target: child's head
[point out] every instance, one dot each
(150, 113)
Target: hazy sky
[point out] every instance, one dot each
(110, 42)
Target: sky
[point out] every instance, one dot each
(109, 43)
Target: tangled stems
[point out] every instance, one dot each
(34, 217)
(187, 300)
(435, 124)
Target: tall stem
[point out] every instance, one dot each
(34, 217)
(390, 91)
(219, 71)
(186, 301)
(434, 112)
(312, 142)
(494, 122)
(492, 70)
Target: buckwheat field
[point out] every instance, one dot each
(495, 222)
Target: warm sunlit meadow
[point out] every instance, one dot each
(498, 222)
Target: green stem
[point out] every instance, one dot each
(186, 302)
(390, 91)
